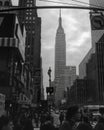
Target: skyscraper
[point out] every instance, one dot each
(85, 68)
(32, 23)
(60, 61)
(33, 29)
(97, 32)
(60, 50)
(70, 76)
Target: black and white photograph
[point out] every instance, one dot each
(51, 64)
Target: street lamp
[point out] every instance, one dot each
(49, 74)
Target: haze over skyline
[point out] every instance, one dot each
(76, 24)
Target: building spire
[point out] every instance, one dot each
(60, 13)
(60, 19)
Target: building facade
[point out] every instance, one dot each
(14, 81)
(96, 34)
(33, 43)
(92, 79)
(91, 66)
(60, 62)
(100, 69)
(70, 76)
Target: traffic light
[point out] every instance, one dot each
(49, 90)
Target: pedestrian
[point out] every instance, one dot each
(17, 124)
(85, 124)
(48, 124)
(72, 116)
(6, 123)
(100, 123)
(61, 117)
(28, 125)
(37, 120)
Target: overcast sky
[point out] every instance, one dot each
(76, 26)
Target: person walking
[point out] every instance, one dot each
(28, 124)
(85, 124)
(72, 116)
(48, 124)
(100, 123)
(61, 117)
(6, 123)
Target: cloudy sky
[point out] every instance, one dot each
(76, 25)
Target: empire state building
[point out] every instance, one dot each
(60, 61)
(60, 50)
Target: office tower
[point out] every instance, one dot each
(60, 50)
(97, 32)
(32, 23)
(70, 76)
(33, 29)
(60, 61)
(97, 37)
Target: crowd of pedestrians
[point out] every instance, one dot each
(75, 119)
(72, 119)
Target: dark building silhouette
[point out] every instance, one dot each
(33, 43)
(100, 68)
(91, 77)
(14, 73)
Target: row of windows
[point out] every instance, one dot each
(6, 3)
(29, 10)
(30, 13)
(30, 17)
(29, 5)
(29, 22)
(29, 1)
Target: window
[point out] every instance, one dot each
(6, 3)
(1, 3)
(27, 5)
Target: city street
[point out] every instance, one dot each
(55, 118)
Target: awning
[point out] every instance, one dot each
(13, 42)
(9, 42)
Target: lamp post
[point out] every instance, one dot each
(48, 92)
(49, 74)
